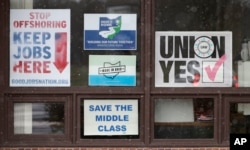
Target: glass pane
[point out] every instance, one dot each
(79, 57)
(212, 15)
(184, 118)
(240, 118)
(38, 118)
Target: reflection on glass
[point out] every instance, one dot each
(38, 118)
(212, 15)
(240, 118)
(184, 118)
(79, 57)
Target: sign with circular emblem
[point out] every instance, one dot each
(203, 47)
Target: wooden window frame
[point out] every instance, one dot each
(145, 93)
(34, 139)
(227, 100)
(187, 142)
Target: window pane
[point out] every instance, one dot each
(240, 118)
(212, 15)
(79, 57)
(184, 118)
(38, 118)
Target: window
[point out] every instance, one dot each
(180, 74)
(236, 116)
(80, 56)
(46, 118)
(216, 17)
(179, 119)
(39, 118)
(184, 118)
(239, 118)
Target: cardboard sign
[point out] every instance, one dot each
(39, 47)
(193, 59)
(111, 117)
(110, 31)
(112, 70)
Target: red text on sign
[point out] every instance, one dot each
(32, 67)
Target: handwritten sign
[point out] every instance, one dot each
(111, 117)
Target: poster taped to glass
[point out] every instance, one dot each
(110, 32)
(193, 59)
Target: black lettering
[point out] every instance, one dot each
(191, 69)
(220, 48)
(191, 46)
(166, 70)
(179, 47)
(163, 47)
(179, 71)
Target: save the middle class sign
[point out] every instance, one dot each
(111, 117)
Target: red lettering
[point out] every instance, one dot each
(46, 67)
(37, 66)
(18, 67)
(32, 67)
(39, 15)
(26, 67)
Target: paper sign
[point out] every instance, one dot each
(39, 47)
(112, 70)
(111, 117)
(110, 31)
(193, 59)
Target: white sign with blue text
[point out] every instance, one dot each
(110, 32)
(111, 117)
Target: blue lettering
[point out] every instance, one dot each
(124, 107)
(45, 36)
(112, 118)
(18, 53)
(27, 52)
(32, 52)
(100, 128)
(91, 108)
(102, 108)
(27, 38)
(124, 128)
(37, 53)
(17, 37)
(46, 51)
(112, 128)
(99, 118)
(36, 38)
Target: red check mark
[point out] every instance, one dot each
(212, 72)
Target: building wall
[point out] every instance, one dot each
(116, 148)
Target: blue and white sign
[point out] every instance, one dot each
(110, 32)
(112, 70)
(111, 117)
